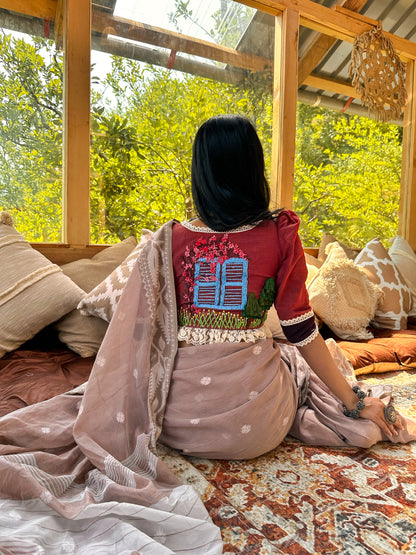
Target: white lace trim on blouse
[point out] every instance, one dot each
(308, 339)
(204, 336)
(298, 319)
(201, 229)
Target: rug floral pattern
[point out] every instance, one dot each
(307, 500)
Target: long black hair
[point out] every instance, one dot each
(229, 188)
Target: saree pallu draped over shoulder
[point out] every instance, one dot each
(78, 473)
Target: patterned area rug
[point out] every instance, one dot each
(310, 500)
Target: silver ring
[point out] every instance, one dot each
(390, 414)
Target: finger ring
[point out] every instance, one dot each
(390, 414)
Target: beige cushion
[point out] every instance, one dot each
(87, 273)
(392, 311)
(103, 299)
(342, 295)
(404, 259)
(327, 238)
(81, 334)
(33, 291)
(84, 334)
(313, 265)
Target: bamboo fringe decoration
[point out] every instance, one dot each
(378, 74)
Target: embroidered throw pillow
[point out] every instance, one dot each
(392, 311)
(404, 259)
(342, 295)
(33, 291)
(84, 334)
(103, 299)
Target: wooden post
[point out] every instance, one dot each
(76, 142)
(284, 108)
(407, 213)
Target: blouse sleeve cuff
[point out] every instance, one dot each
(300, 330)
(308, 339)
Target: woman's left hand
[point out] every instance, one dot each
(374, 410)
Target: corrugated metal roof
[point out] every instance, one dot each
(397, 17)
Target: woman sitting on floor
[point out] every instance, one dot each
(234, 392)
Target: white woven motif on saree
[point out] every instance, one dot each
(103, 299)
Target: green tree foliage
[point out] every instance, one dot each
(150, 183)
(142, 131)
(347, 177)
(31, 136)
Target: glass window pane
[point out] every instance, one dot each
(148, 100)
(347, 177)
(348, 166)
(31, 73)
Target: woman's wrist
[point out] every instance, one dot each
(353, 409)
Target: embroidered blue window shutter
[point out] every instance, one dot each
(234, 284)
(207, 283)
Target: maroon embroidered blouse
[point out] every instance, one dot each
(220, 276)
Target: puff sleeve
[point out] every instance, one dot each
(292, 301)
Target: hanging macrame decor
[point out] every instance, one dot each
(378, 74)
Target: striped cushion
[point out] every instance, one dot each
(33, 291)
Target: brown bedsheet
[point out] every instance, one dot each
(32, 376)
(389, 350)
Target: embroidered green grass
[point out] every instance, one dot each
(255, 307)
(217, 320)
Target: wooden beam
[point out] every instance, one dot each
(59, 24)
(330, 22)
(407, 211)
(76, 157)
(353, 5)
(44, 9)
(313, 55)
(161, 58)
(109, 24)
(360, 17)
(337, 86)
(315, 99)
(284, 109)
(64, 253)
(321, 44)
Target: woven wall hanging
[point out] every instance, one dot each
(378, 74)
